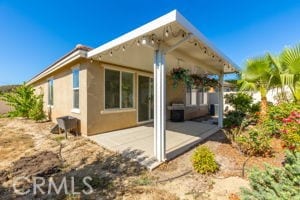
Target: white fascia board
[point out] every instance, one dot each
(139, 32)
(190, 28)
(77, 54)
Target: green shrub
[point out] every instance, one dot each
(233, 119)
(24, 103)
(204, 160)
(239, 101)
(37, 113)
(275, 183)
(242, 115)
(255, 142)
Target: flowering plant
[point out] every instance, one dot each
(180, 74)
(290, 131)
(204, 81)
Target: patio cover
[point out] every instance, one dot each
(167, 42)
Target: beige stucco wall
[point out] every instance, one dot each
(63, 93)
(99, 119)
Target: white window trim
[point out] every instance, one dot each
(109, 111)
(116, 110)
(75, 110)
(49, 105)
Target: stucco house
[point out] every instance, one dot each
(125, 82)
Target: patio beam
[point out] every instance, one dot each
(175, 46)
(221, 101)
(159, 105)
(202, 65)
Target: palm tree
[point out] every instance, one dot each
(259, 75)
(287, 65)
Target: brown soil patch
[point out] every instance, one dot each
(12, 146)
(42, 164)
(144, 193)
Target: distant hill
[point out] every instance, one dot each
(7, 88)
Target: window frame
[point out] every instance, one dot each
(119, 108)
(50, 83)
(189, 93)
(74, 109)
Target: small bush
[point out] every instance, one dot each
(275, 183)
(254, 143)
(24, 103)
(204, 161)
(37, 113)
(233, 119)
(239, 101)
(244, 114)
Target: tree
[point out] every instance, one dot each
(287, 65)
(258, 75)
(24, 103)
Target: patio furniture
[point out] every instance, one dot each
(67, 123)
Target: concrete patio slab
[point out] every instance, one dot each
(137, 142)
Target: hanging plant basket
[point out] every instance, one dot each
(180, 74)
(197, 80)
(210, 82)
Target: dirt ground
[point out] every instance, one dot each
(29, 149)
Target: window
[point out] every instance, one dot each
(127, 90)
(50, 92)
(196, 96)
(191, 96)
(76, 88)
(118, 89)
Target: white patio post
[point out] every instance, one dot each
(159, 106)
(221, 101)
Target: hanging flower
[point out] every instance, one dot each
(180, 74)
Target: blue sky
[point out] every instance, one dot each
(34, 33)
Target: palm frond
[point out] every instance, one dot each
(291, 59)
(275, 61)
(247, 86)
(297, 91)
(287, 79)
(256, 69)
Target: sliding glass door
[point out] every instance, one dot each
(145, 98)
